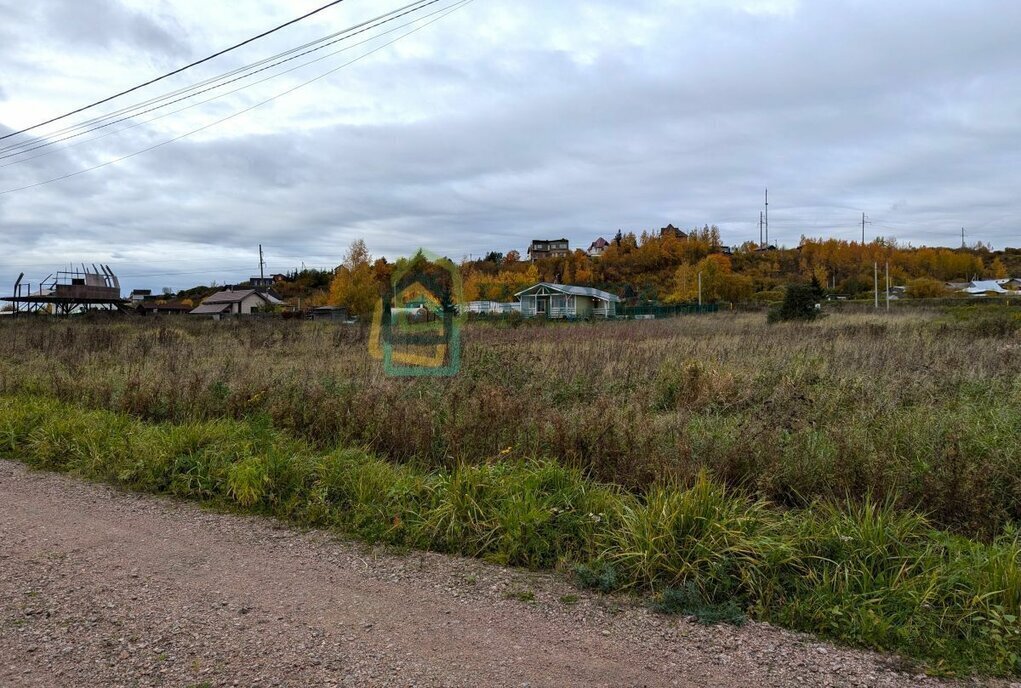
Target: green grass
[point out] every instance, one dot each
(520, 595)
(866, 572)
(688, 600)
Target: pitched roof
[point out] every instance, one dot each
(599, 243)
(211, 309)
(983, 286)
(229, 296)
(240, 295)
(574, 291)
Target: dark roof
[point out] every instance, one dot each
(211, 309)
(230, 296)
(599, 243)
(168, 306)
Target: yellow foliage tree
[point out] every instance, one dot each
(354, 286)
(719, 283)
(925, 288)
(998, 270)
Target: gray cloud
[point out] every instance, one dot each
(494, 132)
(102, 24)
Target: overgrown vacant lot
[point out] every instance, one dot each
(810, 475)
(918, 408)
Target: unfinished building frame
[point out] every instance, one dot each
(70, 291)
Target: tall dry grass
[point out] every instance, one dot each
(918, 409)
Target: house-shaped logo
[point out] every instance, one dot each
(416, 330)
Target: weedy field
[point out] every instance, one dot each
(859, 477)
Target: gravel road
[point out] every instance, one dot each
(101, 587)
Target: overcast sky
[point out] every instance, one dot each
(508, 121)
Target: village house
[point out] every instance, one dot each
(597, 247)
(670, 230)
(239, 302)
(566, 301)
(984, 287)
(548, 248)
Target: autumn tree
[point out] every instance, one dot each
(997, 270)
(925, 288)
(719, 283)
(354, 285)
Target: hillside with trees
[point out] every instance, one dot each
(650, 267)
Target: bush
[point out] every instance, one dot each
(925, 288)
(688, 600)
(598, 576)
(995, 325)
(800, 302)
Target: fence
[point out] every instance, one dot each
(657, 311)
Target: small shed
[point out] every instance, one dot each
(567, 301)
(329, 313)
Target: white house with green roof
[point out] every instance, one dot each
(566, 301)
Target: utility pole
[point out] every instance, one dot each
(963, 245)
(760, 229)
(875, 288)
(864, 221)
(767, 218)
(887, 286)
(262, 264)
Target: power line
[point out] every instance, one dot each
(209, 100)
(176, 71)
(191, 91)
(450, 10)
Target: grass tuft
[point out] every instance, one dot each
(688, 600)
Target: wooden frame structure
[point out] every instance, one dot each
(68, 291)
